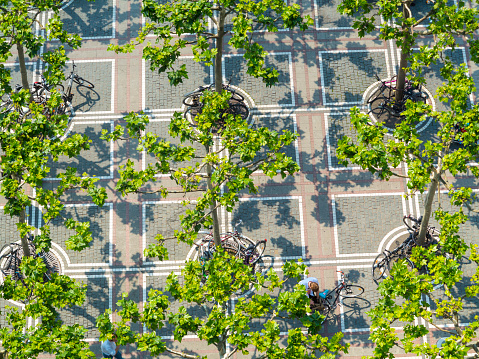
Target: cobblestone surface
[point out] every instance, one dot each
(98, 99)
(339, 125)
(433, 76)
(278, 124)
(99, 218)
(93, 162)
(278, 95)
(161, 128)
(363, 222)
(327, 17)
(89, 18)
(4, 310)
(276, 220)
(159, 94)
(346, 75)
(163, 218)
(17, 77)
(328, 67)
(159, 283)
(96, 303)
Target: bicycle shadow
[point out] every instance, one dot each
(85, 99)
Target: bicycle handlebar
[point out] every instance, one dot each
(410, 217)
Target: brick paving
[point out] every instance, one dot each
(334, 217)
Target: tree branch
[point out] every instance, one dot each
(183, 355)
(231, 353)
(424, 18)
(441, 329)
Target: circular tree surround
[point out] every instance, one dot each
(379, 102)
(240, 103)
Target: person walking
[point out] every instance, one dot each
(311, 285)
(110, 349)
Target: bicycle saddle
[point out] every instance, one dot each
(324, 294)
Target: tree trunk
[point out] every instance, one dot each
(405, 50)
(23, 69)
(421, 240)
(213, 204)
(26, 249)
(222, 338)
(219, 49)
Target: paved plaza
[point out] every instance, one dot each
(334, 217)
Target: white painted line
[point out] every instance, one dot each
(291, 84)
(335, 224)
(86, 123)
(328, 147)
(166, 111)
(325, 103)
(369, 194)
(61, 250)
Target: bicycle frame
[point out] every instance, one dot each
(336, 290)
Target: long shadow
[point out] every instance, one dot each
(88, 19)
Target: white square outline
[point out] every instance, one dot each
(112, 125)
(464, 57)
(113, 22)
(328, 144)
(143, 88)
(335, 222)
(316, 20)
(291, 80)
(169, 262)
(64, 253)
(323, 92)
(112, 106)
(110, 295)
(295, 130)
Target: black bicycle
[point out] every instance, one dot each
(11, 257)
(384, 262)
(330, 299)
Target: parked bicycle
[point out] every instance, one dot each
(236, 105)
(330, 299)
(11, 257)
(41, 92)
(234, 243)
(385, 101)
(249, 251)
(384, 262)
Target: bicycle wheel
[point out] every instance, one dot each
(376, 94)
(243, 242)
(228, 245)
(322, 308)
(82, 82)
(380, 267)
(351, 291)
(193, 100)
(6, 107)
(254, 254)
(235, 95)
(238, 109)
(7, 248)
(398, 258)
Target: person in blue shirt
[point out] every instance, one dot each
(110, 349)
(311, 285)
